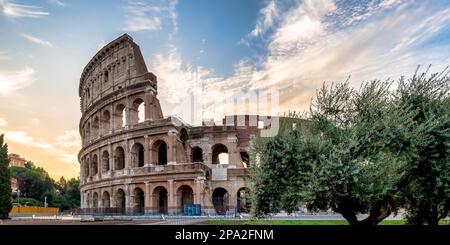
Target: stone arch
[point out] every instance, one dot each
(120, 200)
(106, 122)
(160, 152)
(137, 155)
(105, 161)
(245, 158)
(139, 201)
(106, 200)
(219, 154)
(95, 200)
(119, 116)
(160, 196)
(243, 200)
(220, 199)
(137, 112)
(94, 167)
(119, 158)
(185, 196)
(197, 154)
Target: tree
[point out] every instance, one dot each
(5, 181)
(366, 152)
(61, 185)
(427, 196)
(33, 182)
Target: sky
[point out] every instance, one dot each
(289, 47)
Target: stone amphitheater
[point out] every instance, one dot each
(135, 160)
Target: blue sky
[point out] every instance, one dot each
(200, 46)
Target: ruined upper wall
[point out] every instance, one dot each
(117, 65)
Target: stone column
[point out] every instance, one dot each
(112, 197)
(127, 113)
(171, 197)
(148, 104)
(147, 202)
(146, 150)
(82, 200)
(198, 190)
(127, 196)
(111, 119)
(111, 158)
(172, 147)
(232, 151)
(99, 164)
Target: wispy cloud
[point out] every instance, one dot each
(314, 42)
(4, 56)
(64, 147)
(268, 15)
(14, 10)
(23, 138)
(37, 40)
(57, 2)
(14, 80)
(3, 122)
(146, 16)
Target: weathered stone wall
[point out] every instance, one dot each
(147, 164)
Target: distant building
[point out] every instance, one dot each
(16, 161)
(14, 186)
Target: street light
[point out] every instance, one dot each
(45, 202)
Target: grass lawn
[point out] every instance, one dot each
(296, 222)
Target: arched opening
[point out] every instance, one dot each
(197, 154)
(243, 200)
(160, 196)
(105, 77)
(220, 200)
(185, 196)
(106, 201)
(106, 122)
(120, 200)
(119, 158)
(160, 152)
(95, 200)
(139, 201)
(95, 127)
(183, 136)
(137, 157)
(137, 111)
(119, 116)
(219, 154)
(94, 169)
(105, 161)
(245, 159)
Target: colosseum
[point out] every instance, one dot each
(133, 159)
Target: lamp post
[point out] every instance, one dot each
(45, 201)
(18, 197)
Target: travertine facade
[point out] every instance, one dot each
(135, 160)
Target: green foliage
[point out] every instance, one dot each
(370, 151)
(25, 201)
(5, 181)
(34, 182)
